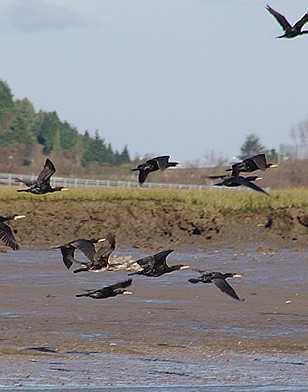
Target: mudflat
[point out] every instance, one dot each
(168, 332)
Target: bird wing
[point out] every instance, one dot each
(225, 287)
(160, 262)
(162, 161)
(68, 255)
(102, 255)
(46, 173)
(280, 18)
(253, 186)
(143, 173)
(298, 25)
(7, 236)
(86, 247)
(146, 263)
(121, 285)
(257, 162)
(26, 182)
(216, 177)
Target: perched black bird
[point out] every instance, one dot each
(98, 259)
(6, 234)
(152, 165)
(290, 31)
(42, 184)
(109, 291)
(156, 265)
(244, 181)
(219, 279)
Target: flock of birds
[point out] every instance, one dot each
(98, 251)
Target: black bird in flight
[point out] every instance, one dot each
(290, 31)
(219, 279)
(152, 165)
(98, 259)
(248, 165)
(42, 184)
(109, 291)
(244, 181)
(156, 265)
(6, 233)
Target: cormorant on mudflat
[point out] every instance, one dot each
(152, 165)
(98, 259)
(156, 265)
(42, 184)
(290, 31)
(109, 291)
(244, 181)
(6, 233)
(219, 279)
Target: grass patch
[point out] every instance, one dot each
(218, 200)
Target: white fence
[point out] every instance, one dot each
(9, 180)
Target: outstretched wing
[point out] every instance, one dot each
(253, 186)
(280, 19)
(257, 162)
(86, 247)
(160, 261)
(101, 257)
(46, 173)
(7, 236)
(121, 285)
(225, 288)
(298, 25)
(143, 173)
(162, 161)
(68, 255)
(26, 182)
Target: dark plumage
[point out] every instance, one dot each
(109, 291)
(219, 279)
(290, 31)
(42, 184)
(6, 233)
(248, 165)
(156, 265)
(98, 259)
(152, 165)
(235, 181)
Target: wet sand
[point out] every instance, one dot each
(168, 333)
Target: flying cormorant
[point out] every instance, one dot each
(248, 165)
(244, 181)
(156, 265)
(98, 259)
(290, 31)
(109, 291)
(42, 184)
(219, 279)
(152, 165)
(6, 233)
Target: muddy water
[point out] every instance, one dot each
(169, 333)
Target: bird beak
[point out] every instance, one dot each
(259, 178)
(237, 276)
(274, 166)
(19, 217)
(64, 189)
(102, 240)
(185, 267)
(127, 293)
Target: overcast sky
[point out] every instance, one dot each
(164, 76)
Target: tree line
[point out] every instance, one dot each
(20, 124)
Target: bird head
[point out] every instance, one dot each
(184, 267)
(273, 165)
(16, 217)
(127, 292)
(237, 275)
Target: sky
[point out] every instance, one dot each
(178, 77)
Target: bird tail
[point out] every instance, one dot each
(194, 280)
(136, 169)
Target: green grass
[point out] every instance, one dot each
(221, 200)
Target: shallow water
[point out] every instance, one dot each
(169, 333)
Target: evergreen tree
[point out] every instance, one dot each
(251, 146)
